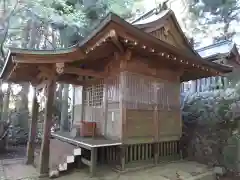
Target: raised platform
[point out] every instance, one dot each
(92, 150)
(109, 152)
(85, 142)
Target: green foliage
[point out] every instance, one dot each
(70, 19)
(74, 13)
(215, 15)
(230, 152)
(210, 107)
(214, 131)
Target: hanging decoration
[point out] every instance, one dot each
(130, 42)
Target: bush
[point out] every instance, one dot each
(210, 126)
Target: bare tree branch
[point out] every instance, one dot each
(6, 26)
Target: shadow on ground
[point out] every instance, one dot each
(13, 152)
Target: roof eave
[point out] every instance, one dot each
(152, 24)
(42, 52)
(8, 61)
(142, 36)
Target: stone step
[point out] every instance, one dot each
(71, 162)
(59, 151)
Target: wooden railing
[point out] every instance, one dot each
(167, 151)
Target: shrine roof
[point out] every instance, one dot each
(150, 17)
(113, 34)
(156, 19)
(221, 49)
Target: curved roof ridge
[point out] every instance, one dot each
(164, 14)
(38, 51)
(144, 16)
(214, 45)
(172, 14)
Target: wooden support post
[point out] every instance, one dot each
(32, 130)
(82, 108)
(105, 106)
(122, 157)
(45, 146)
(103, 155)
(122, 105)
(93, 161)
(156, 153)
(156, 125)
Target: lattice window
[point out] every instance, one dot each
(93, 95)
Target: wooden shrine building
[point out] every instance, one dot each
(224, 52)
(131, 75)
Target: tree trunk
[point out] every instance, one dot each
(23, 109)
(5, 107)
(1, 100)
(238, 148)
(64, 111)
(58, 103)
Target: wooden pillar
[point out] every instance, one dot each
(123, 112)
(93, 161)
(156, 125)
(82, 108)
(82, 118)
(156, 153)
(122, 157)
(32, 130)
(155, 145)
(105, 106)
(45, 146)
(122, 105)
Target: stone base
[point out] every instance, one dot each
(43, 175)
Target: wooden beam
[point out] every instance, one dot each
(32, 130)
(84, 72)
(156, 129)
(93, 161)
(47, 60)
(46, 74)
(91, 82)
(82, 117)
(45, 146)
(12, 71)
(47, 70)
(86, 162)
(124, 60)
(105, 106)
(118, 44)
(123, 149)
(122, 106)
(119, 60)
(41, 85)
(71, 81)
(128, 55)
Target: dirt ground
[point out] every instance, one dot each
(186, 170)
(13, 161)
(14, 152)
